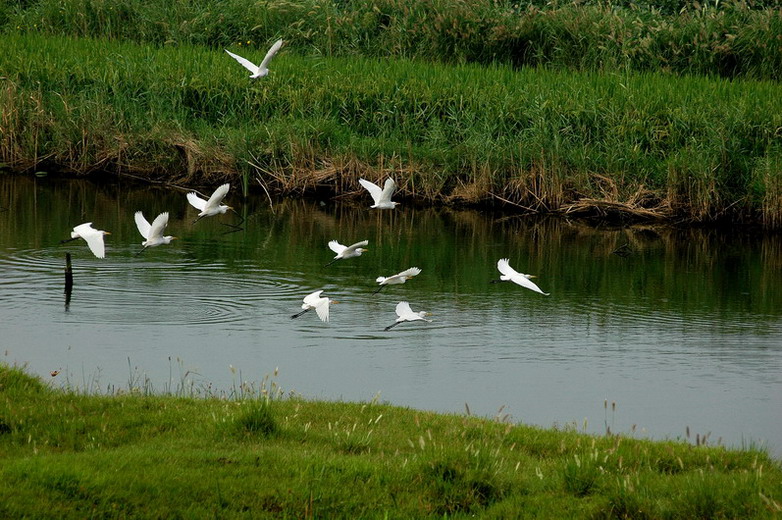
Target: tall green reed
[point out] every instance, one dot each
(727, 38)
(705, 147)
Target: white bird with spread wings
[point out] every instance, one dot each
(258, 71)
(511, 275)
(344, 252)
(398, 278)
(153, 233)
(317, 302)
(93, 237)
(381, 197)
(405, 313)
(212, 206)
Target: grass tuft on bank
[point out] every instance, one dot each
(67, 454)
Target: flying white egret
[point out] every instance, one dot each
(397, 278)
(93, 237)
(258, 71)
(212, 206)
(344, 252)
(153, 233)
(511, 275)
(405, 313)
(382, 197)
(317, 302)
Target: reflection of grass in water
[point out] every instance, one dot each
(65, 453)
(461, 133)
(696, 273)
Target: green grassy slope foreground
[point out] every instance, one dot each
(69, 455)
(653, 145)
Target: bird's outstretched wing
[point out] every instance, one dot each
(158, 225)
(81, 229)
(218, 195)
(504, 268)
(142, 224)
(525, 282)
(355, 246)
(336, 247)
(247, 64)
(322, 308)
(373, 189)
(94, 239)
(403, 310)
(388, 189)
(196, 201)
(270, 54)
(413, 271)
(312, 299)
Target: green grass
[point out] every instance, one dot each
(699, 148)
(70, 455)
(730, 38)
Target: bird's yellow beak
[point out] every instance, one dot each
(174, 238)
(107, 232)
(334, 301)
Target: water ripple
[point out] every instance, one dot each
(144, 291)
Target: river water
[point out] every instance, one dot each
(683, 334)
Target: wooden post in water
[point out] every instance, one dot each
(68, 280)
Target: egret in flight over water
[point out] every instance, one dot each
(258, 71)
(397, 278)
(405, 313)
(511, 275)
(93, 237)
(317, 302)
(212, 206)
(382, 197)
(153, 233)
(344, 252)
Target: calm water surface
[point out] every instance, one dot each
(684, 332)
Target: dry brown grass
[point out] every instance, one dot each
(641, 205)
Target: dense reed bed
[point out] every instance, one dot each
(254, 452)
(645, 145)
(731, 38)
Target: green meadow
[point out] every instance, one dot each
(256, 452)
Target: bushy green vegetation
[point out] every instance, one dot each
(730, 38)
(579, 107)
(695, 147)
(70, 455)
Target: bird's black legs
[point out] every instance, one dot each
(379, 289)
(299, 313)
(392, 325)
